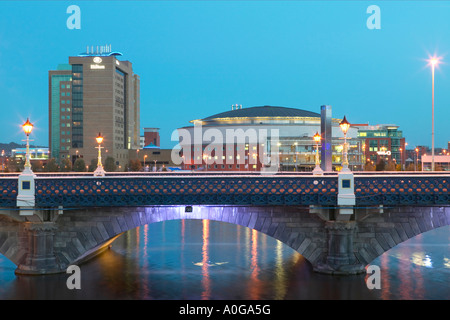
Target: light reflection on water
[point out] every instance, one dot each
(202, 259)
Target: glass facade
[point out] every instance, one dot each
(77, 106)
(57, 81)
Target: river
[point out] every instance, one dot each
(209, 260)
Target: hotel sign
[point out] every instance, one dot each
(384, 153)
(97, 66)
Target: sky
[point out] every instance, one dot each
(197, 58)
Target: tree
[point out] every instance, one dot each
(380, 165)
(36, 166)
(369, 166)
(110, 164)
(66, 165)
(390, 166)
(51, 166)
(135, 165)
(93, 165)
(79, 165)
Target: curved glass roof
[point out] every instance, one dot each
(263, 112)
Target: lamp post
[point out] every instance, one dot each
(26, 190)
(317, 170)
(99, 171)
(27, 128)
(417, 159)
(345, 125)
(433, 61)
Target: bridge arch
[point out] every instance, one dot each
(82, 233)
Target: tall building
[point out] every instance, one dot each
(94, 93)
(383, 142)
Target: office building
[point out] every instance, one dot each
(94, 93)
(383, 142)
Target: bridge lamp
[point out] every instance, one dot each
(99, 171)
(317, 170)
(345, 125)
(27, 128)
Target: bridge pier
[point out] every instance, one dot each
(40, 258)
(340, 259)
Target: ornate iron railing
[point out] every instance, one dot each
(186, 190)
(8, 191)
(402, 190)
(127, 190)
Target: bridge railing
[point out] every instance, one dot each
(186, 190)
(70, 189)
(402, 189)
(8, 191)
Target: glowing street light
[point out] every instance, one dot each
(99, 171)
(417, 158)
(433, 61)
(345, 125)
(27, 128)
(317, 170)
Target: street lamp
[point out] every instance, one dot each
(205, 158)
(345, 125)
(433, 61)
(99, 171)
(417, 159)
(27, 128)
(317, 170)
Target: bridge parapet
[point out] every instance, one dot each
(408, 190)
(186, 190)
(191, 189)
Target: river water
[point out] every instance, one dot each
(202, 259)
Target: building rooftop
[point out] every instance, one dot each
(263, 112)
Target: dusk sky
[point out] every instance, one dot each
(196, 59)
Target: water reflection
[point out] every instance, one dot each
(201, 259)
(417, 268)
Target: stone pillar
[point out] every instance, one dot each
(340, 259)
(40, 258)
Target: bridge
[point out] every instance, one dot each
(338, 222)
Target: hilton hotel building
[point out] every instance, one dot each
(94, 93)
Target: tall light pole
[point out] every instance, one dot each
(317, 170)
(433, 62)
(345, 125)
(99, 171)
(27, 128)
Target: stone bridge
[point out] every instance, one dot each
(72, 218)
